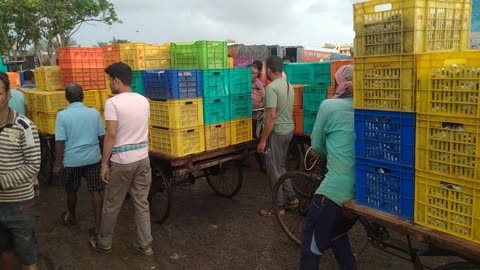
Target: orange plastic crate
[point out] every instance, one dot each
(331, 92)
(335, 65)
(73, 57)
(298, 120)
(14, 79)
(298, 103)
(88, 78)
(111, 54)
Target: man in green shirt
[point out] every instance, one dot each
(333, 136)
(278, 131)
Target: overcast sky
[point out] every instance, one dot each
(285, 22)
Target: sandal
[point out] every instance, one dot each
(67, 220)
(94, 244)
(144, 250)
(271, 212)
(293, 203)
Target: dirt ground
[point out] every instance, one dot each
(205, 232)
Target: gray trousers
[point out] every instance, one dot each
(136, 178)
(275, 158)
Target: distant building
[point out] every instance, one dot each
(344, 49)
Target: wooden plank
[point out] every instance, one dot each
(443, 240)
(205, 165)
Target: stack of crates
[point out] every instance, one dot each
(84, 66)
(447, 184)
(240, 81)
(389, 35)
(298, 109)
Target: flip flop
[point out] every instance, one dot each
(292, 204)
(142, 249)
(67, 221)
(94, 244)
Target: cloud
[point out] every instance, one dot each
(287, 22)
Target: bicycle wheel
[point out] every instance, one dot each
(460, 266)
(226, 179)
(304, 184)
(160, 197)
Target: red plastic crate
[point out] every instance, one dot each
(88, 78)
(298, 100)
(111, 54)
(335, 65)
(298, 120)
(331, 92)
(14, 79)
(73, 57)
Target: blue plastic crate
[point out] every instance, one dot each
(309, 118)
(215, 83)
(240, 106)
(216, 110)
(240, 81)
(386, 187)
(313, 96)
(172, 84)
(385, 136)
(321, 72)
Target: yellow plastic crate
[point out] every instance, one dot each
(91, 98)
(177, 142)
(448, 146)
(230, 62)
(241, 130)
(50, 101)
(103, 98)
(181, 113)
(217, 136)
(384, 83)
(29, 97)
(48, 78)
(448, 83)
(448, 204)
(46, 122)
(414, 26)
(133, 54)
(102, 114)
(157, 56)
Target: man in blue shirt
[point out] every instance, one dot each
(28, 79)
(17, 101)
(78, 133)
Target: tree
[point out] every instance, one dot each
(119, 41)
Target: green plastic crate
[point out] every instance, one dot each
(183, 56)
(313, 96)
(199, 55)
(308, 73)
(137, 82)
(215, 83)
(240, 81)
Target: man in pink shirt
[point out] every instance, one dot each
(128, 168)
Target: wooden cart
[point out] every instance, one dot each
(222, 168)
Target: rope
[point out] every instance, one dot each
(313, 160)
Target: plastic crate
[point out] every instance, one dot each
(385, 83)
(241, 130)
(298, 73)
(3, 68)
(385, 136)
(91, 98)
(137, 82)
(177, 142)
(133, 54)
(298, 120)
(212, 54)
(48, 78)
(88, 78)
(448, 146)
(176, 114)
(157, 56)
(309, 118)
(76, 57)
(50, 102)
(231, 62)
(172, 84)
(102, 114)
(298, 98)
(240, 106)
(448, 204)
(331, 92)
(45, 122)
(184, 56)
(386, 187)
(217, 136)
(240, 81)
(313, 96)
(448, 83)
(111, 54)
(216, 110)
(29, 98)
(216, 83)
(103, 98)
(335, 65)
(415, 26)
(14, 79)
(321, 72)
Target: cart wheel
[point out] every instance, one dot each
(47, 155)
(304, 184)
(161, 197)
(226, 179)
(294, 156)
(460, 266)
